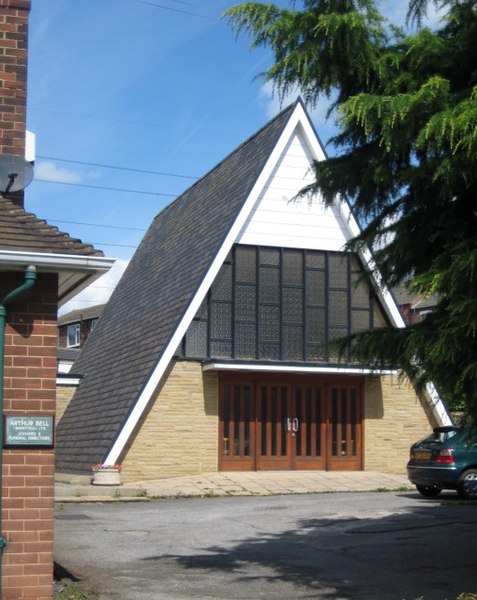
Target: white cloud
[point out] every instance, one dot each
(49, 171)
(99, 291)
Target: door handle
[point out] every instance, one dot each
(296, 425)
(288, 425)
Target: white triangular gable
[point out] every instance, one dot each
(279, 220)
(268, 218)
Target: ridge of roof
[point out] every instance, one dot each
(152, 297)
(288, 109)
(81, 314)
(21, 230)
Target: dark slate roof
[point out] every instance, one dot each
(151, 298)
(23, 231)
(81, 314)
(68, 354)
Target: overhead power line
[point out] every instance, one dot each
(77, 115)
(118, 168)
(95, 225)
(110, 189)
(178, 10)
(98, 244)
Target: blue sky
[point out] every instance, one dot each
(147, 85)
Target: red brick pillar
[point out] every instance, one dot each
(28, 474)
(13, 78)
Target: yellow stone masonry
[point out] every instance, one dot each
(64, 393)
(394, 417)
(179, 435)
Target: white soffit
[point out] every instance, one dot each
(295, 369)
(75, 271)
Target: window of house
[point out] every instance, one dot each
(73, 335)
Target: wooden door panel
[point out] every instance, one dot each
(310, 427)
(273, 442)
(237, 427)
(344, 428)
(295, 423)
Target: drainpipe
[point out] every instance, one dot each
(30, 278)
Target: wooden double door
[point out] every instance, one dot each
(286, 424)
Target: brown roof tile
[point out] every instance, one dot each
(23, 231)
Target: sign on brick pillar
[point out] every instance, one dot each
(28, 469)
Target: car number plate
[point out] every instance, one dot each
(422, 455)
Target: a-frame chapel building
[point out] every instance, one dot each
(209, 355)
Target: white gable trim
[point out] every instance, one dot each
(300, 119)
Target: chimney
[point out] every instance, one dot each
(13, 79)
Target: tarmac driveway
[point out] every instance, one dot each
(341, 545)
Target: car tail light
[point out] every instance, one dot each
(445, 456)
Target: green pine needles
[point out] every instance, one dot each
(405, 103)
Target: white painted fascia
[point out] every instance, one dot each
(438, 409)
(384, 294)
(296, 369)
(54, 262)
(69, 381)
(75, 271)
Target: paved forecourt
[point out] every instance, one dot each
(261, 483)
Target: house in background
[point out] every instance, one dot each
(211, 353)
(74, 328)
(414, 306)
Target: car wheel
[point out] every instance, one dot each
(429, 491)
(467, 484)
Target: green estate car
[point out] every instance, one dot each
(447, 459)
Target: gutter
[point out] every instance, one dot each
(55, 262)
(30, 279)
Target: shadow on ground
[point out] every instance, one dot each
(426, 551)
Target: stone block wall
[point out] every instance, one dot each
(394, 417)
(64, 393)
(179, 435)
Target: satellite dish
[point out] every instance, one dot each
(15, 173)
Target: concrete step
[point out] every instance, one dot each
(67, 492)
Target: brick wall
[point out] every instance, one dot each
(394, 417)
(13, 75)
(13, 78)
(28, 476)
(179, 436)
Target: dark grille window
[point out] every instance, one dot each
(282, 304)
(222, 288)
(269, 285)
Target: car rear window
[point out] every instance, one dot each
(442, 434)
